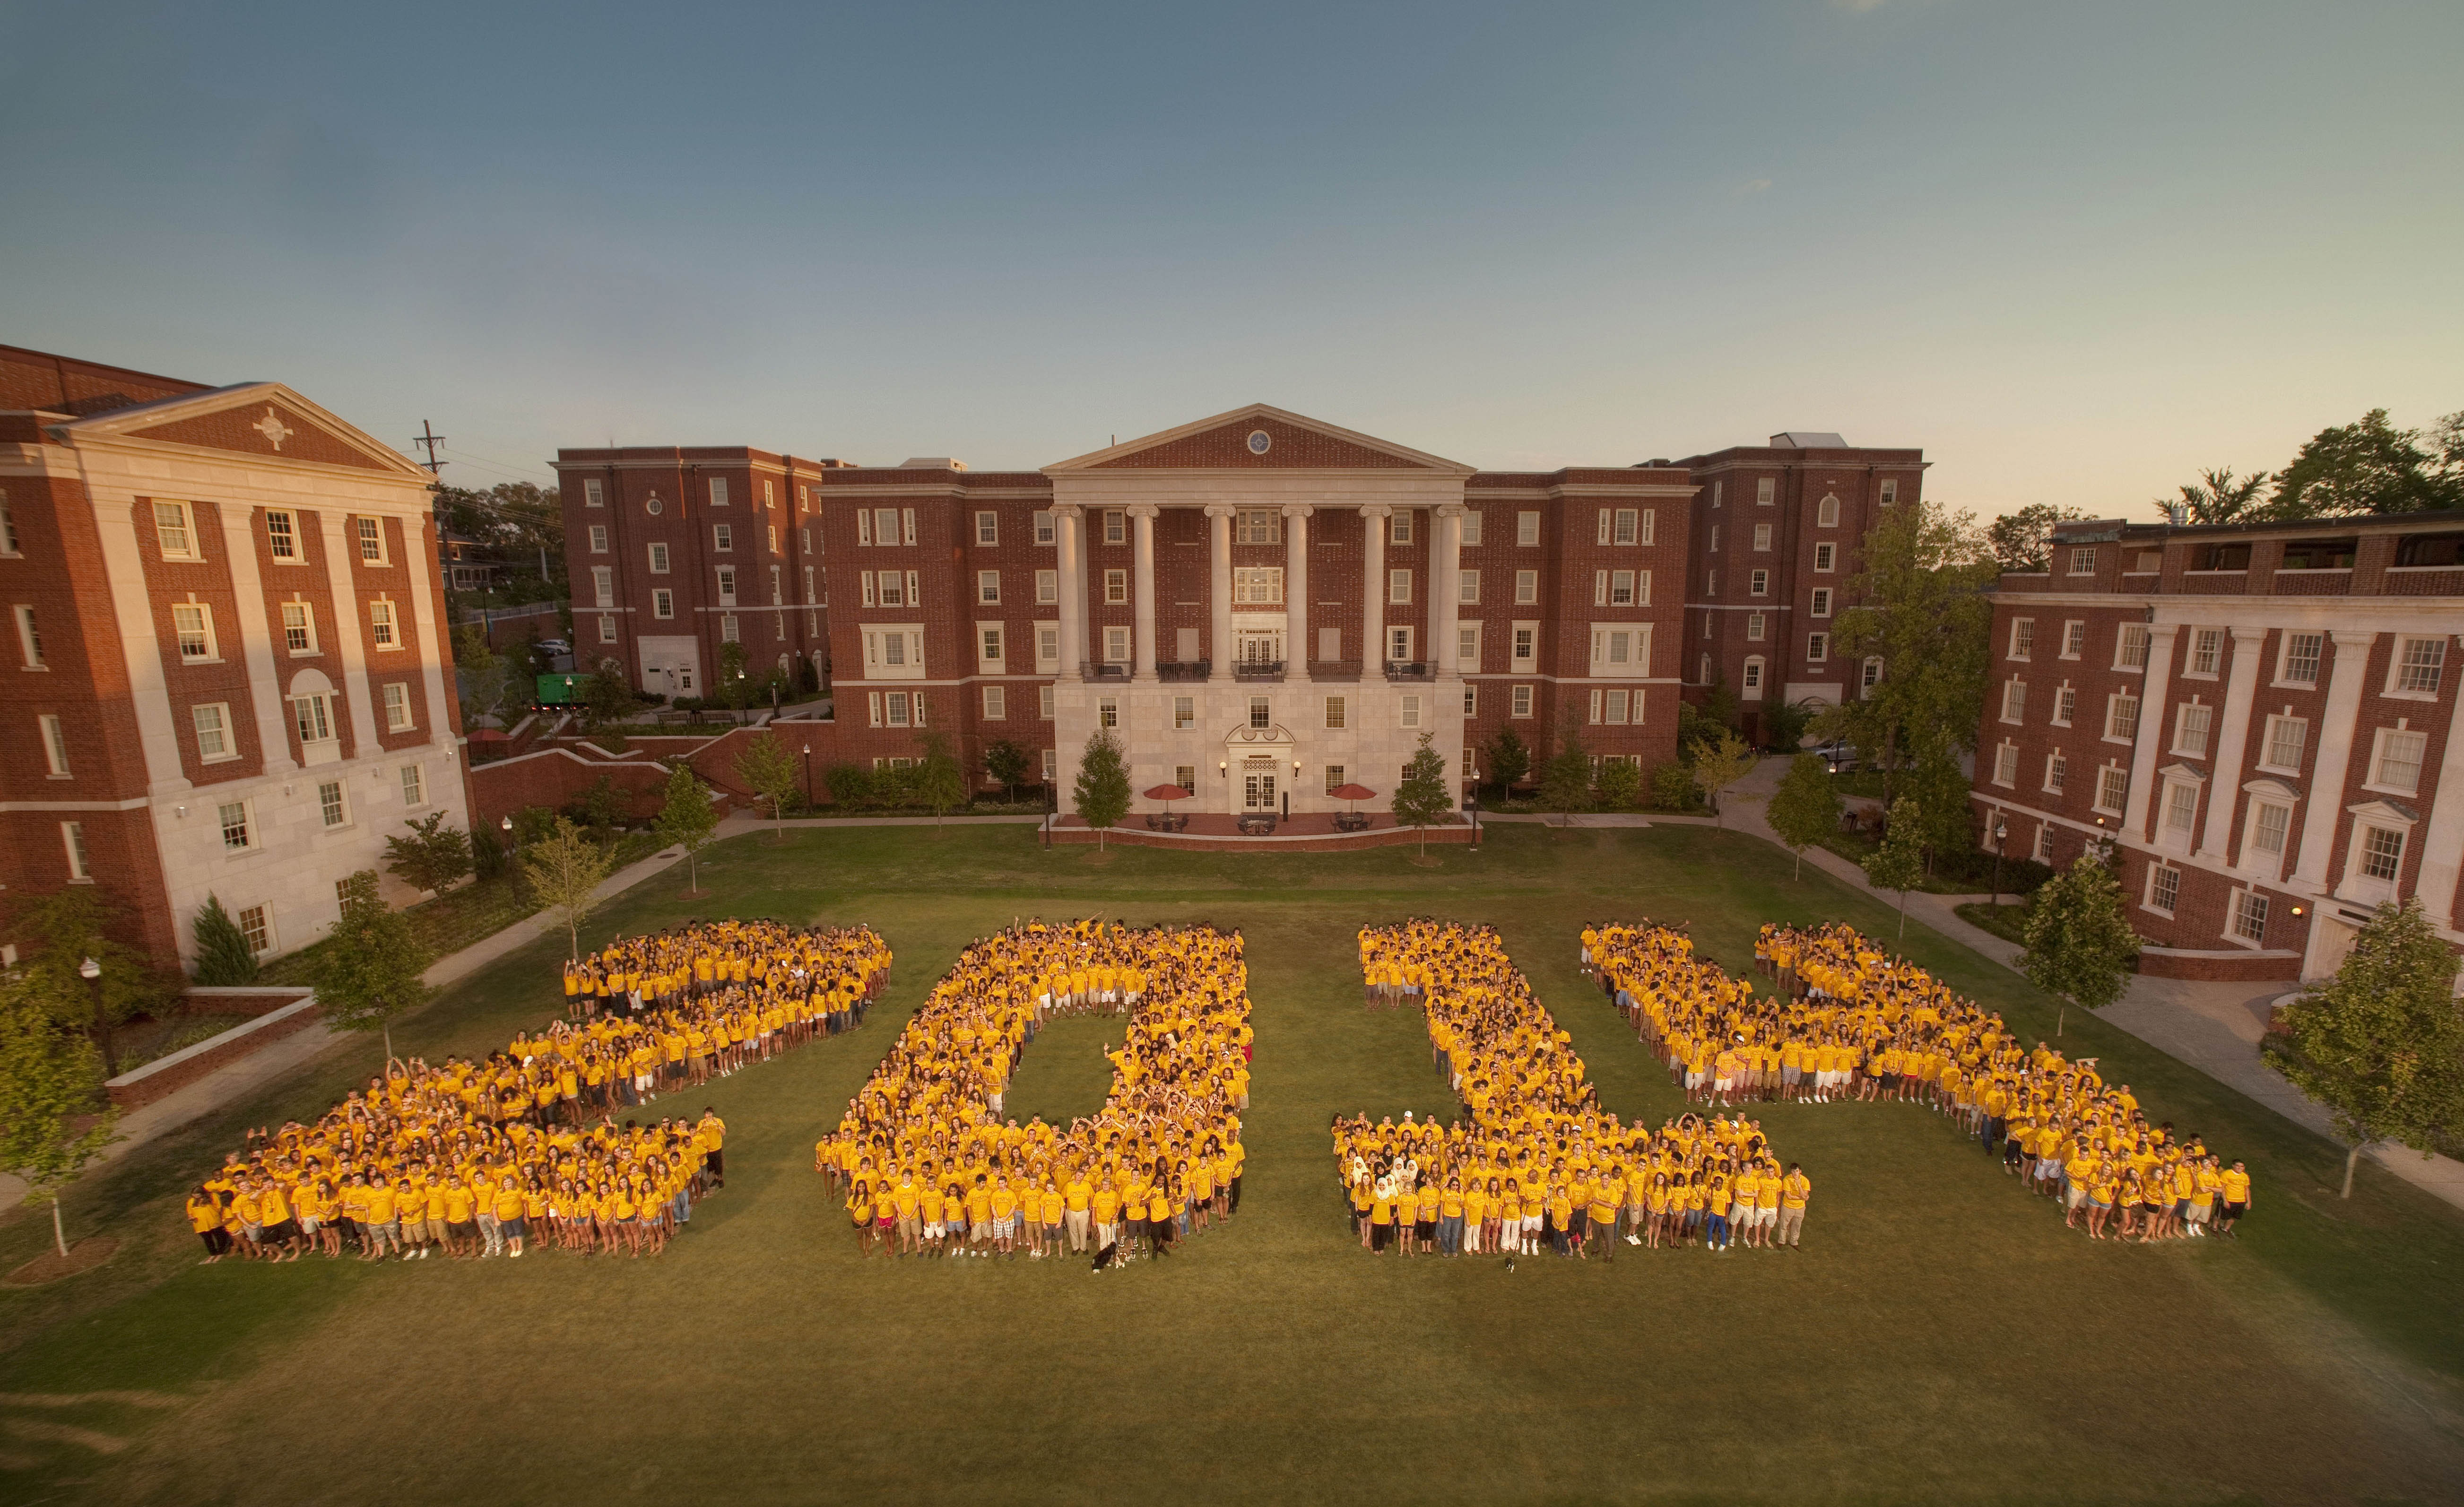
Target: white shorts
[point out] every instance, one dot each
(935, 1230)
(1531, 1223)
(1766, 1217)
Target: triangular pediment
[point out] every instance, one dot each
(1260, 438)
(264, 419)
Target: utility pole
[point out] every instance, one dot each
(427, 439)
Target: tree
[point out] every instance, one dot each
(1945, 811)
(939, 781)
(1924, 611)
(2369, 466)
(2023, 541)
(1805, 809)
(607, 696)
(224, 958)
(1566, 782)
(1007, 762)
(1102, 794)
(1422, 797)
(687, 820)
(486, 676)
(2078, 936)
(1509, 759)
(60, 932)
(370, 971)
(433, 858)
(2218, 496)
(769, 771)
(54, 1114)
(1899, 864)
(1619, 787)
(1720, 763)
(1719, 707)
(1783, 724)
(2382, 1043)
(734, 689)
(565, 870)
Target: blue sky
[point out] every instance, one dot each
(2074, 252)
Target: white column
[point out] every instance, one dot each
(2335, 734)
(1445, 586)
(2233, 742)
(1296, 648)
(340, 551)
(1142, 517)
(1073, 589)
(2151, 731)
(2444, 837)
(256, 638)
(1372, 590)
(1219, 646)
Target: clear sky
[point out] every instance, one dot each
(2073, 251)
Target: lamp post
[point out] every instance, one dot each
(92, 973)
(1474, 805)
(2001, 833)
(808, 776)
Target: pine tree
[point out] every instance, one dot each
(2382, 1043)
(1103, 789)
(1422, 799)
(1899, 864)
(2080, 945)
(370, 971)
(51, 1078)
(1805, 809)
(687, 820)
(224, 958)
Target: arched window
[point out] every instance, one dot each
(1826, 512)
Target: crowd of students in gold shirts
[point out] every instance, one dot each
(480, 1158)
(1534, 1163)
(1849, 1021)
(928, 1165)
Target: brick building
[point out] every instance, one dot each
(1775, 530)
(229, 673)
(2261, 718)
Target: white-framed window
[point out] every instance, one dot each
(1116, 526)
(2298, 659)
(810, 597)
(239, 832)
(996, 704)
(1766, 490)
(1826, 555)
(1822, 603)
(2014, 700)
(1471, 705)
(372, 540)
(1470, 535)
(865, 583)
(2130, 647)
(2065, 704)
(1633, 527)
(662, 603)
(2287, 738)
(1467, 588)
(2112, 788)
(1047, 587)
(298, 628)
(2206, 652)
(1467, 645)
(1753, 687)
(1334, 711)
(192, 626)
(1051, 766)
(1890, 491)
(2023, 639)
(2164, 889)
(258, 928)
(864, 527)
(1599, 588)
(1817, 648)
(2395, 759)
(1117, 644)
(1527, 530)
(1526, 644)
(1399, 587)
(1520, 702)
(332, 809)
(1261, 712)
(1758, 583)
(1526, 588)
(1411, 711)
(1045, 531)
(73, 842)
(175, 532)
(900, 709)
(603, 585)
(727, 585)
(1826, 512)
(606, 630)
(2006, 763)
(1620, 649)
(2270, 832)
(722, 538)
(988, 587)
(1116, 588)
(1713, 546)
(1622, 589)
(281, 534)
(2042, 851)
(594, 492)
(415, 785)
(1047, 646)
(2121, 716)
(2191, 721)
(1761, 537)
(55, 745)
(2181, 812)
(2379, 853)
(1258, 585)
(1398, 644)
(213, 722)
(397, 706)
(658, 553)
(989, 646)
(1620, 705)
(718, 492)
(1184, 716)
(1257, 526)
(2074, 638)
(987, 529)
(1755, 624)
(2084, 560)
(1871, 675)
(1044, 703)
(312, 716)
(1715, 493)
(2249, 915)
(2415, 669)
(2057, 772)
(1398, 527)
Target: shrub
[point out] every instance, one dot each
(1672, 789)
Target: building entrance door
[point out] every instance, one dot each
(1260, 647)
(1258, 785)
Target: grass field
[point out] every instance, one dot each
(1939, 1337)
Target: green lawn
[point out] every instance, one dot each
(1939, 1337)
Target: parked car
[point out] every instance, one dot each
(1837, 755)
(554, 646)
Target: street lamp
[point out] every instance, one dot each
(1474, 805)
(92, 973)
(2001, 833)
(808, 776)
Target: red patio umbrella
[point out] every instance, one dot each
(1167, 793)
(1353, 792)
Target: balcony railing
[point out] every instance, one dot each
(1102, 669)
(1335, 669)
(1183, 669)
(1410, 670)
(1257, 670)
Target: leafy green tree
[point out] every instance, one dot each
(735, 689)
(851, 787)
(58, 932)
(1566, 782)
(688, 820)
(2219, 496)
(1672, 787)
(1720, 763)
(1805, 809)
(55, 1116)
(606, 697)
(2077, 938)
(1719, 709)
(1945, 811)
(2023, 540)
(769, 771)
(434, 857)
(565, 869)
(1923, 609)
(1007, 763)
(224, 958)
(2367, 467)
(486, 676)
(1508, 760)
(1421, 799)
(1102, 792)
(940, 783)
(369, 971)
(1619, 787)
(1783, 724)
(2382, 1043)
(601, 808)
(1899, 864)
